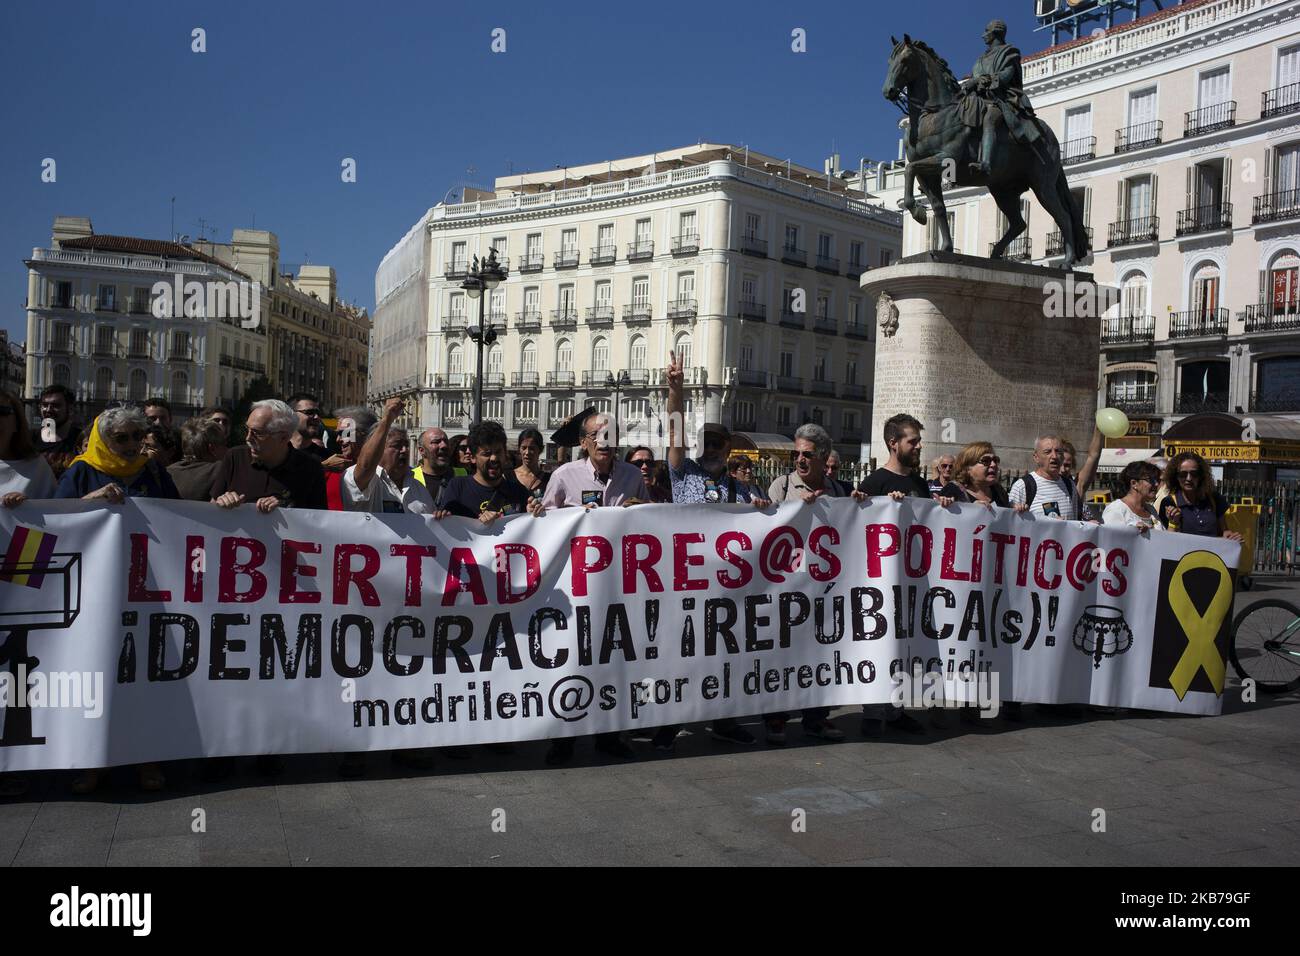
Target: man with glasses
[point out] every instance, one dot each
(809, 481)
(598, 480)
(268, 470)
(311, 426)
(57, 437)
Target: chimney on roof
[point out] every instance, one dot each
(832, 165)
(71, 227)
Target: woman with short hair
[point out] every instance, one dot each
(975, 472)
(1193, 505)
(114, 466)
(1141, 481)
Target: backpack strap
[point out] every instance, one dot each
(1031, 488)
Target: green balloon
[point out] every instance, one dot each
(1112, 422)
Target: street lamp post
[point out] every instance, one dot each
(481, 279)
(616, 382)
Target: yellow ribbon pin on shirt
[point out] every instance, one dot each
(1201, 629)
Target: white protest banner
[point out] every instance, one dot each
(166, 630)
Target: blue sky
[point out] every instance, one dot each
(253, 131)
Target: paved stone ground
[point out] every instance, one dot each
(1176, 790)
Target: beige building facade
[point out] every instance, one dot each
(92, 322)
(316, 342)
(1181, 137)
(745, 265)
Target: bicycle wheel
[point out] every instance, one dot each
(1266, 645)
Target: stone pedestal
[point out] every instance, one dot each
(980, 350)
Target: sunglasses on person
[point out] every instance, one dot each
(643, 462)
(804, 454)
(988, 460)
(310, 412)
(1193, 473)
(126, 438)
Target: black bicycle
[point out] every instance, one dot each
(1266, 645)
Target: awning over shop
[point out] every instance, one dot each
(759, 443)
(1219, 437)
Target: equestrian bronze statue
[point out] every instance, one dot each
(982, 132)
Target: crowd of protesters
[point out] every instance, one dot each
(283, 461)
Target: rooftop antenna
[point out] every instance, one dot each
(172, 231)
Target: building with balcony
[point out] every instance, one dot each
(13, 365)
(1191, 194)
(316, 342)
(91, 324)
(744, 264)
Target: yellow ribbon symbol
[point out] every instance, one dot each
(1201, 629)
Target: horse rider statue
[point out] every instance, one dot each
(995, 92)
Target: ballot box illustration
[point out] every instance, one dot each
(40, 590)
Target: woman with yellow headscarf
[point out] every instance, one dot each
(113, 467)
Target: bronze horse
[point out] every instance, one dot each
(940, 150)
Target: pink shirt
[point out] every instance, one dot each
(570, 480)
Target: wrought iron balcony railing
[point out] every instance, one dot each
(682, 308)
(1056, 242)
(1020, 249)
(1277, 206)
(603, 255)
(564, 318)
(686, 244)
(1196, 322)
(600, 315)
(1284, 99)
(753, 245)
(639, 310)
(1206, 402)
(1209, 119)
(1139, 136)
(1272, 316)
(1129, 330)
(794, 255)
(641, 249)
(1204, 219)
(1079, 150)
(1127, 232)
